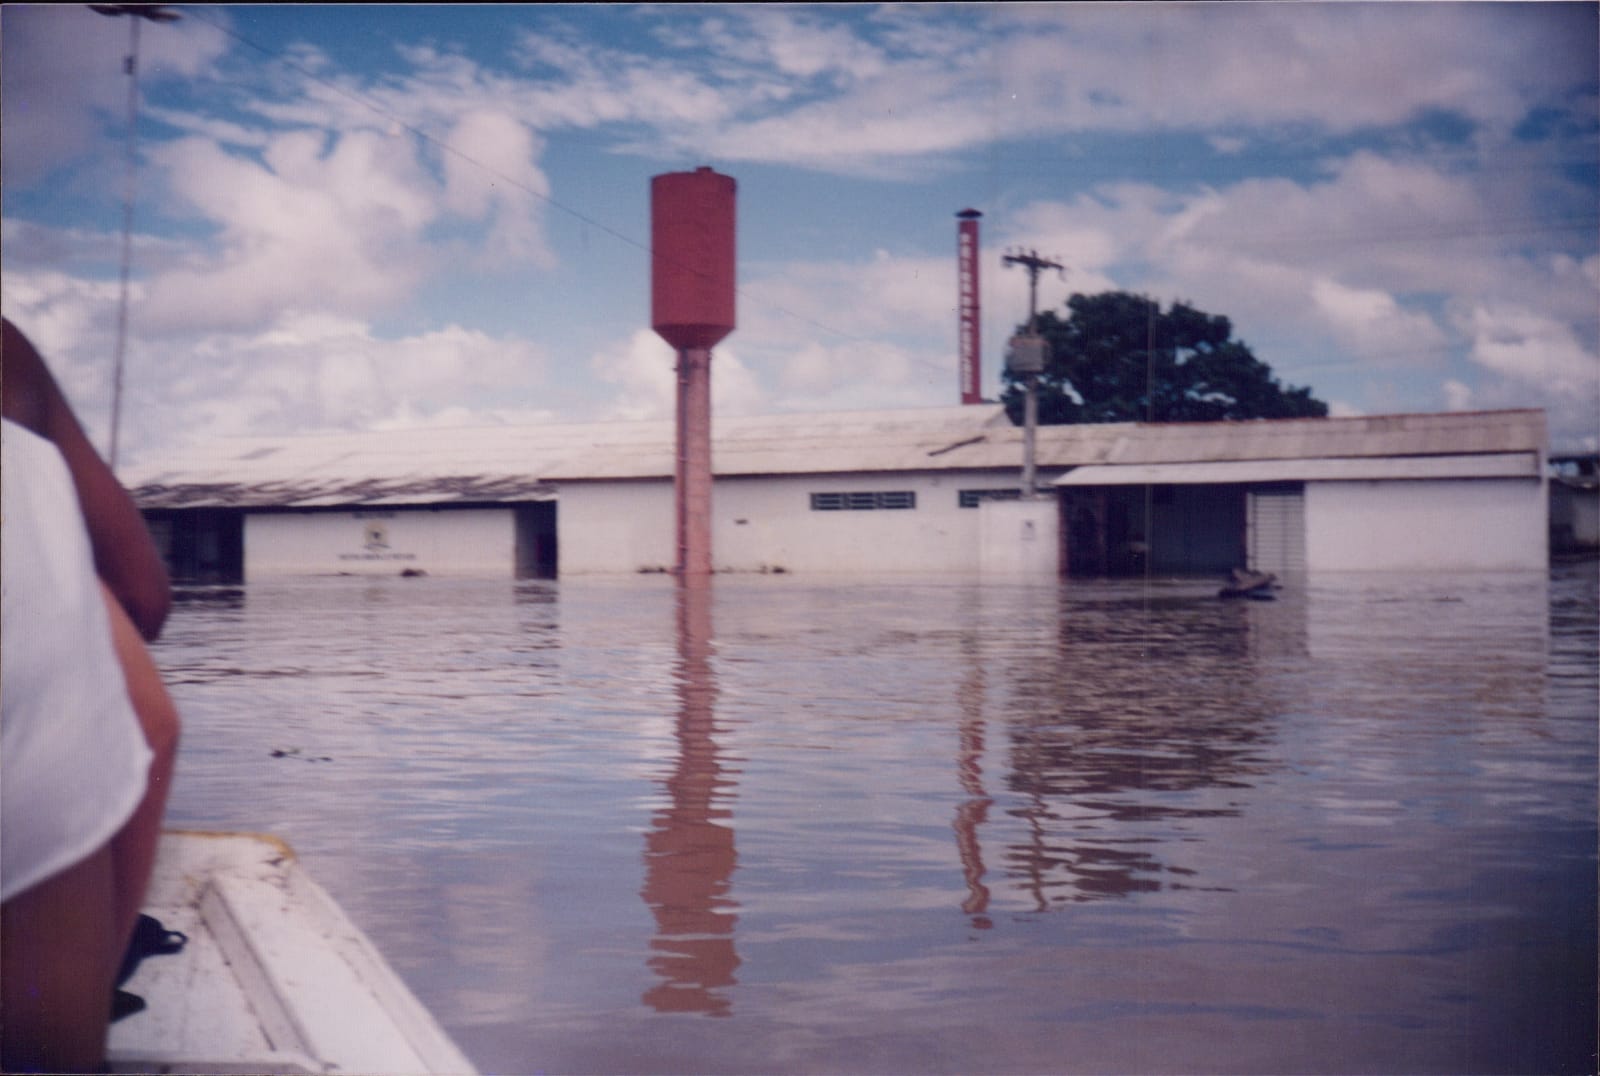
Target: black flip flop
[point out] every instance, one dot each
(150, 938)
(125, 1004)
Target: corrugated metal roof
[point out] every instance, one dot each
(836, 442)
(1491, 465)
(1371, 435)
(508, 464)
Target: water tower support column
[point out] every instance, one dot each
(692, 483)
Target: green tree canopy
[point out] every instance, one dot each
(1118, 357)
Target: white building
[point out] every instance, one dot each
(918, 491)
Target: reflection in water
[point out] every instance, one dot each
(1113, 768)
(973, 811)
(217, 597)
(689, 852)
(1106, 827)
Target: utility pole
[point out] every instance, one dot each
(1035, 265)
(1027, 357)
(130, 66)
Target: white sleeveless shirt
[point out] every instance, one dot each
(73, 759)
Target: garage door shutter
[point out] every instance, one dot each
(1277, 522)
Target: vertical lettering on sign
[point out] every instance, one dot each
(967, 273)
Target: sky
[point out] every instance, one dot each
(413, 216)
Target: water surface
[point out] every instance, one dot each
(802, 825)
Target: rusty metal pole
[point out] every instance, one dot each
(693, 479)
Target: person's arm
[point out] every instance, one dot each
(125, 556)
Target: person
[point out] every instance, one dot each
(88, 734)
(125, 556)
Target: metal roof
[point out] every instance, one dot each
(1446, 433)
(1492, 465)
(831, 443)
(501, 464)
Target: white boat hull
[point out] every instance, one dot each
(275, 978)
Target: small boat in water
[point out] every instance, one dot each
(1247, 583)
(274, 977)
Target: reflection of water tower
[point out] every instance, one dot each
(692, 308)
(689, 852)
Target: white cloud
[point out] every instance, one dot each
(314, 372)
(329, 225)
(1457, 395)
(1527, 346)
(1534, 360)
(303, 207)
(988, 75)
(595, 84)
(1340, 66)
(489, 173)
(643, 369)
(1372, 322)
(815, 377)
(338, 223)
(800, 44)
(65, 90)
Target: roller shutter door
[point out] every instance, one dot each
(1277, 529)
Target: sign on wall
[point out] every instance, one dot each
(467, 541)
(375, 546)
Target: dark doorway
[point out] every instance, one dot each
(200, 545)
(1122, 531)
(537, 556)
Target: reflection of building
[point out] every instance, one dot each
(689, 852)
(930, 490)
(1115, 773)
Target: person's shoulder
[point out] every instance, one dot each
(25, 388)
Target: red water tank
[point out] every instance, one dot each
(692, 257)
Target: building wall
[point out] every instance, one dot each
(458, 542)
(1448, 525)
(764, 524)
(620, 526)
(1020, 538)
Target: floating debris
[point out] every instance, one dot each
(295, 752)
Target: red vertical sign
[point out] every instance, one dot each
(967, 290)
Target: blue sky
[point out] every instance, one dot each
(410, 216)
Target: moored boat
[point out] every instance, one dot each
(1247, 583)
(274, 978)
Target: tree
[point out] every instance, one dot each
(1118, 357)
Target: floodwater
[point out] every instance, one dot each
(803, 825)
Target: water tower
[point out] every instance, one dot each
(692, 264)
